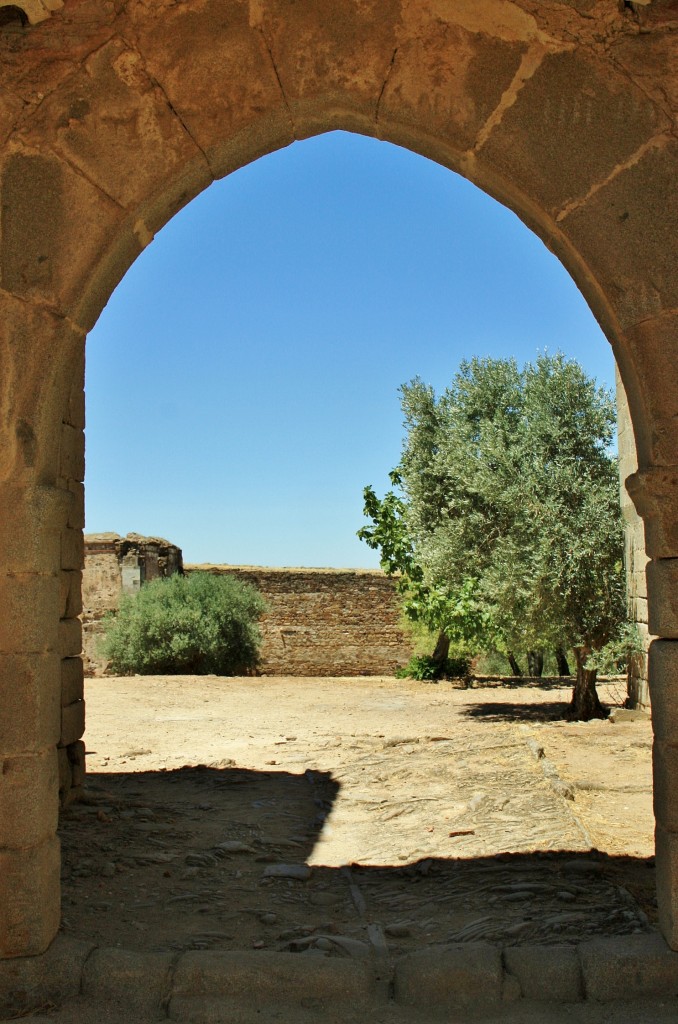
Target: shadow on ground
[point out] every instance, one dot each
(548, 711)
(215, 857)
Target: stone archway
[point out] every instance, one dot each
(112, 117)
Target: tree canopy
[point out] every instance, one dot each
(507, 498)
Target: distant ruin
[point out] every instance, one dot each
(320, 622)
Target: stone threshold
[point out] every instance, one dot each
(205, 987)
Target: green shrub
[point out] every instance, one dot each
(423, 667)
(195, 624)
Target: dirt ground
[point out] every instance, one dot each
(345, 816)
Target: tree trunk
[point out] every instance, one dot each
(515, 667)
(442, 649)
(535, 663)
(585, 704)
(561, 661)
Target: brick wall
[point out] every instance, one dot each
(332, 622)
(318, 622)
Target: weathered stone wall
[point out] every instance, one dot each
(635, 558)
(325, 622)
(113, 566)
(113, 116)
(319, 621)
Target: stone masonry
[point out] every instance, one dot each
(113, 116)
(318, 621)
(326, 622)
(117, 565)
(635, 559)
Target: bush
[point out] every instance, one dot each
(194, 624)
(423, 667)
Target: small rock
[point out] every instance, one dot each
(398, 930)
(583, 867)
(268, 918)
(300, 872)
(107, 869)
(324, 899)
(235, 846)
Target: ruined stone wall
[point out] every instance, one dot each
(325, 622)
(635, 559)
(113, 566)
(318, 622)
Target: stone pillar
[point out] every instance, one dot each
(71, 750)
(635, 559)
(655, 493)
(31, 721)
(41, 515)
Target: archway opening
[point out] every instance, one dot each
(462, 829)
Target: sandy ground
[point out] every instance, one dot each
(348, 815)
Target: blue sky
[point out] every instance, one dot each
(242, 383)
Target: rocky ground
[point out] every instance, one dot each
(347, 816)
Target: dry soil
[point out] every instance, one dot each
(342, 816)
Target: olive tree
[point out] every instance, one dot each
(508, 485)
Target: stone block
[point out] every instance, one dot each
(663, 681)
(75, 414)
(655, 494)
(629, 967)
(30, 606)
(72, 681)
(72, 549)
(264, 978)
(71, 595)
(571, 124)
(77, 760)
(448, 80)
(74, 794)
(30, 702)
(72, 453)
(459, 977)
(626, 233)
(29, 899)
(112, 104)
(70, 637)
(30, 982)
(29, 537)
(665, 784)
(550, 973)
(55, 227)
(29, 798)
(202, 63)
(72, 723)
(666, 858)
(662, 591)
(65, 775)
(76, 512)
(137, 979)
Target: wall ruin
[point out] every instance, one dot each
(319, 622)
(114, 566)
(325, 622)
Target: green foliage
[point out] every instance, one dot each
(447, 606)
(506, 526)
(615, 655)
(195, 624)
(425, 668)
